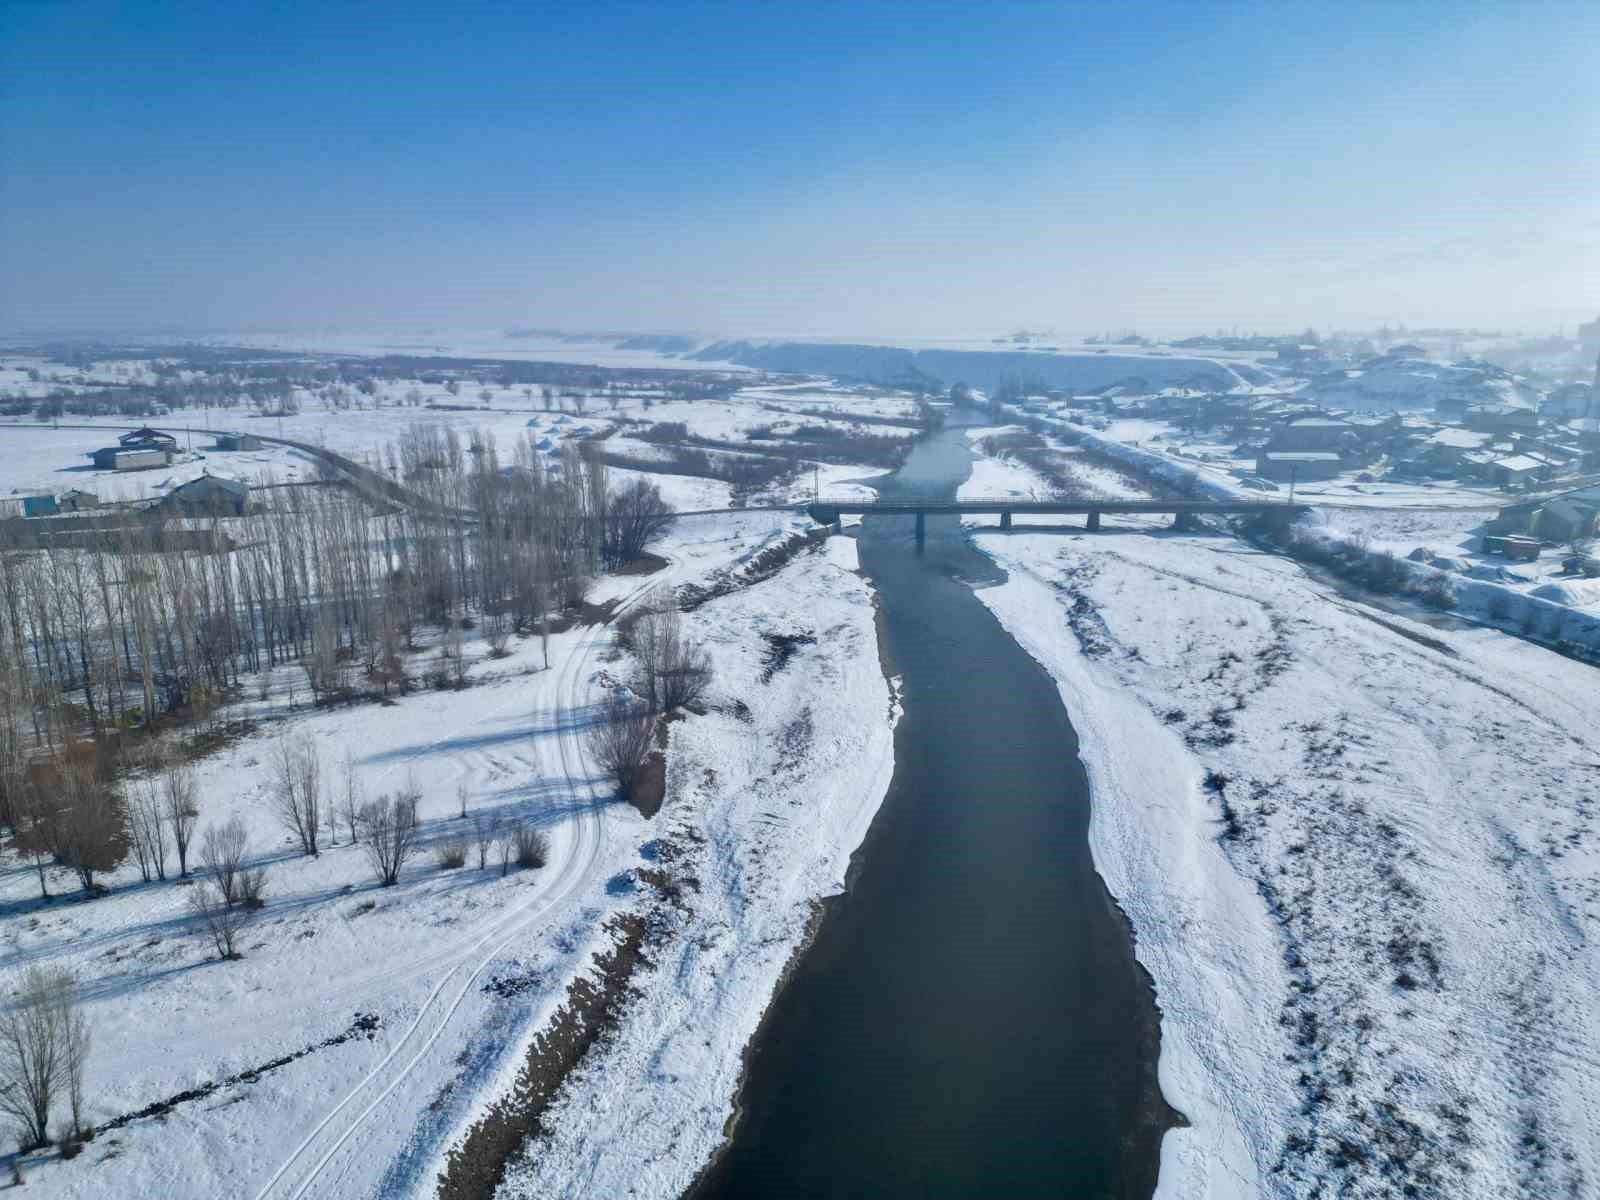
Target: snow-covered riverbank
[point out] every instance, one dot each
(769, 794)
(1359, 856)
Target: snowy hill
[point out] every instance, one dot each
(1401, 383)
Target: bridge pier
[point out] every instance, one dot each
(922, 529)
(1093, 523)
(1005, 519)
(1183, 522)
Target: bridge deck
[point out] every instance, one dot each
(1069, 505)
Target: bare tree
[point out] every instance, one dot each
(34, 1051)
(224, 922)
(181, 810)
(222, 854)
(391, 829)
(77, 1041)
(485, 832)
(350, 800)
(620, 743)
(634, 516)
(90, 827)
(297, 787)
(676, 672)
(145, 828)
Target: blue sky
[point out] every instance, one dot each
(822, 169)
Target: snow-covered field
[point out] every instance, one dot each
(1359, 855)
(462, 966)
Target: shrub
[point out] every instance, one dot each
(69, 1147)
(532, 848)
(1439, 593)
(253, 887)
(451, 855)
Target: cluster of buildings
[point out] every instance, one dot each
(1465, 437)
(141, 450)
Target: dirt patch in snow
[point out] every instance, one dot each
(476, 1167)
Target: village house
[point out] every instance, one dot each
(1574, 514)
(1500, 418)
(237, 441)
(1300, 466)
(208, 496)
(137, 451)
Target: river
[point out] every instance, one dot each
(970, 1020)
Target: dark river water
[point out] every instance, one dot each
(970, 1020)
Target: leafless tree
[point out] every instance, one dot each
(37, 1045)
(222, 855)
(620, 743)
(297, 787)
(391, 829)
(635, 516)
(180, 805)
(676, 672)
(223, 922)
(77, 1038)
(461, 798)
(485, 832)
(91, 827)
(145, 828)
(350, 800)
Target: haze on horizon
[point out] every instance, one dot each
(884, 171)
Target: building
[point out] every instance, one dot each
(147, 439)
(1501, 418)
(209, 496)
(1517, 470)
(77, 501)
(1589, 337)
(1574, 514)
(138, 458)
(1314, 431)
(1298, 466)
(39, 506)
(237, 441)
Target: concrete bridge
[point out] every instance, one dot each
(1184, 512)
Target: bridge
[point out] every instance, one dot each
(1184, 512)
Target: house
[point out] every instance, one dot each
(147, 438)
(1298, 465)
(1315, 431)
(39, 506)
(1501, 418)
(10, 506)
(210, 495)
(237, 441)
(77, 501)
(138, 458)
(1567, 403)
(1573, 514)
(1518, 469)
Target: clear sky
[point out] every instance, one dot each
(807, 168)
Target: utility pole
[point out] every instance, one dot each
(1294, 469)
(816, 487)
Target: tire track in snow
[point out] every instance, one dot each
(445, 1000)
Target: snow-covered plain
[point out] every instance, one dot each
(1359, 855)
(462, 966)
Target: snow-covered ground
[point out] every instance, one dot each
(462, 966)
(1372, 936)
(769, 793)
(1359, 855)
